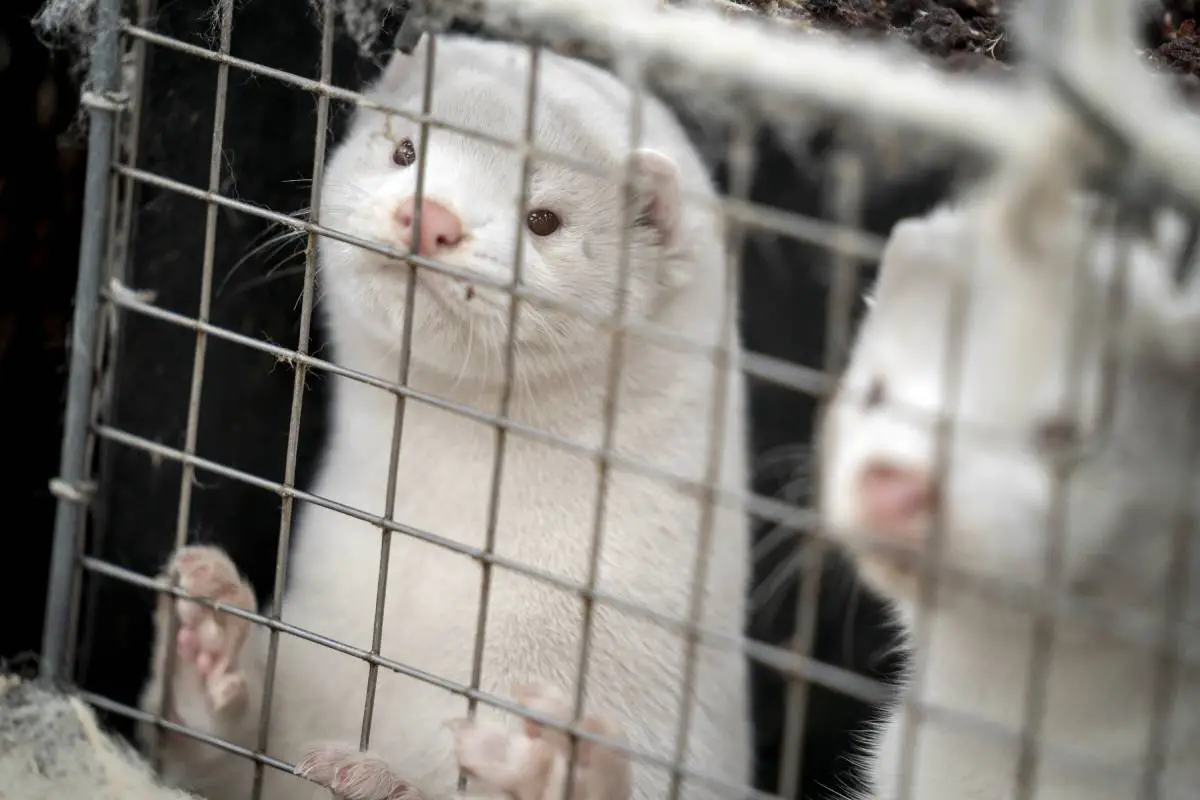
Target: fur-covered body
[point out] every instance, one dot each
(1130, 492)
(548, 495)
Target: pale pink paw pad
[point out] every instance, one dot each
(601, 773)
(188, 644)
(228, 692)
(500, 757)
(209, 641)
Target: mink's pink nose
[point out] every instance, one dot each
(440, 228)
(893, 498)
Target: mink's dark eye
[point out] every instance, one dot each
(405, 154)
(542, 222)
(875, 394)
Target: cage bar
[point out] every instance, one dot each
(71, 486)
(287, 508)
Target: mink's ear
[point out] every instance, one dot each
(919, 249)
(404, 69)
(657, 195)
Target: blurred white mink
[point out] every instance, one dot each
(1040, 349)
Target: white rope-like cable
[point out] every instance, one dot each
(1101, 61)
(822, 68)
(1094, 49)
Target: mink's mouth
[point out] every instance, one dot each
(892, 578)
(899, 563)
(461, 294)
(895, 569)
(429, 286)
(457, 298)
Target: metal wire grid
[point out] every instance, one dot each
(110, 178)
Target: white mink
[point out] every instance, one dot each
(548, 494)
(1124, 501)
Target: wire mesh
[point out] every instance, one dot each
(933, 103)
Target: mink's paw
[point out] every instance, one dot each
(530, 763)
(207, 642)
(354, 775)
(502, 760)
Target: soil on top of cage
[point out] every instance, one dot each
(972, 34)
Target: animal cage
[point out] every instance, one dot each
(736, 82)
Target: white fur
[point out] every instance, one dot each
(1122, 504)
(548, 495)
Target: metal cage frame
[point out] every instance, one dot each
(932, 102)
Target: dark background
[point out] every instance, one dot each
(246, 401)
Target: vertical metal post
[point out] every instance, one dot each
(510, 366)
(846, 205)
(932, 565)
(410, 299)
(122, 223)
(741, 172)
(298, 386)
(635, 80)
(103, 78)
(187, 472)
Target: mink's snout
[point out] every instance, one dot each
(441, 228)
(893, 499)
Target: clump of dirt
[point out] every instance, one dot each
(972, 34)
(1173, 40)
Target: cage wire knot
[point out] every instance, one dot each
(417, 21)
(105, 101)
(74, 492)
(1137, 189)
